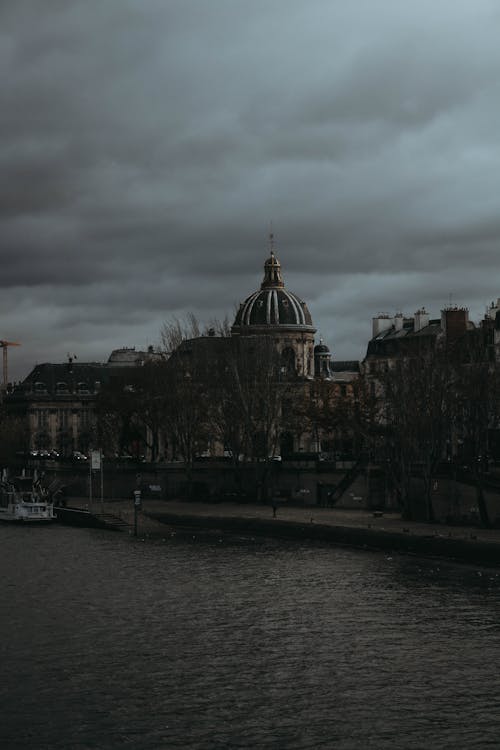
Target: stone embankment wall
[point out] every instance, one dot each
(470, 551)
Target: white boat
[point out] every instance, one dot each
(20, 504)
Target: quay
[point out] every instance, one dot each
(358, 528)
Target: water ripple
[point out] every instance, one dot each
(106, 643)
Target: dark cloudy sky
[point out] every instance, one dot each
(146, 145)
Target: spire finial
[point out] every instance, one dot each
(271, 238)
(272, 266)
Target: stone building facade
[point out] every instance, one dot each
(274, 314)
(58, 401)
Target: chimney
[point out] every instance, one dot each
(420, 320)
(492, 310)
(398, 321)
(382, 322)
(454, 322)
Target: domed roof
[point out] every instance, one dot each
(321, 348)
(272, 304)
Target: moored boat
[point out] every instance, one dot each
(17, 503)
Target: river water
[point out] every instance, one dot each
(111, 642)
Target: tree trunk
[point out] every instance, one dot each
(481, 501)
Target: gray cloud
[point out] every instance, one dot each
(145, 147)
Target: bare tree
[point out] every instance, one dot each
(327, 412)
(248, 388)
(151, 402)
(176, 330)
(476, 410)
(185, 401)
(216, 327)
(118, 426)
(412, 412)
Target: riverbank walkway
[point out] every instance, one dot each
(353, 527)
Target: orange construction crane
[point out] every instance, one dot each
(4, 345)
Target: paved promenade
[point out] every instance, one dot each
(370, 527)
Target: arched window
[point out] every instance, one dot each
(288, 362)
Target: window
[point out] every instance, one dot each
(288, 361)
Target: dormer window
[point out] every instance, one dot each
(61, 387)
(83, 388)
(40, 387)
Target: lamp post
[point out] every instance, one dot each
(137, 505)
(95, 464)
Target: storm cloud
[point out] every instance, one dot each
(146, 145)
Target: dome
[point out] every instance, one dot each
(272, 304)
(321, 348)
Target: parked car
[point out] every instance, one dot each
(202, 455)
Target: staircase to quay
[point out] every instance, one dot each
(83, 517)
(112, 521)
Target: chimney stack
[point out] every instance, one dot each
(454, 321)
(381, 323)
(398, 321)
(420, 320)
